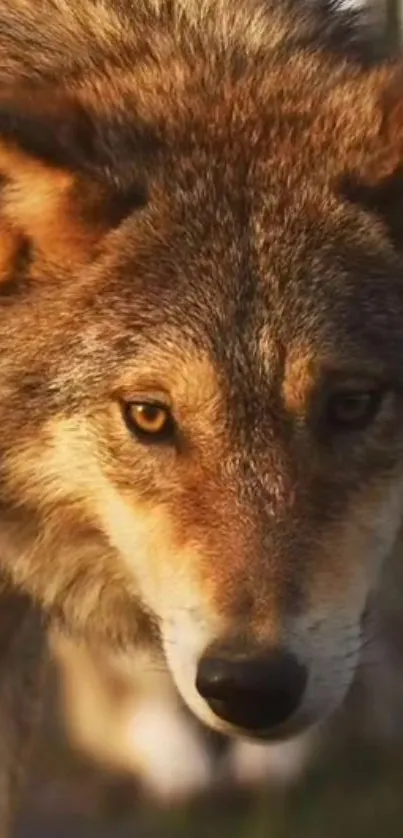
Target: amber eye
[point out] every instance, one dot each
(149, 419)
(352, 410)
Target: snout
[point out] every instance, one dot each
(252, 690)
(247, 686)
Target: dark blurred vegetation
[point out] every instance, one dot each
(389, 15)
(355, 792)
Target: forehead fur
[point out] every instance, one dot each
(163, 73)
(72, 35)
(135, 73)
(240, 121)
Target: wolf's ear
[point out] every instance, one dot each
(55, 191)
(378, 183)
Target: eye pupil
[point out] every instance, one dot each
(149, 413)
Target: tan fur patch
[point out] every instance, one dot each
(45, 205)
(10, 243)
(299, 380)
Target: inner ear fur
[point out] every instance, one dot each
(55, 191)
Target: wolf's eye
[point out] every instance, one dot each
(352, 410)
(149, 420)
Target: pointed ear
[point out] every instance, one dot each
(57, 191)
(377, 184)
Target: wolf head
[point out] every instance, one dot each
(201, 307)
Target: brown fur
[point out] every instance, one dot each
(200, 204)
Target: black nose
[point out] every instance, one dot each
(253, 691)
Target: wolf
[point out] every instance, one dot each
(201, 346)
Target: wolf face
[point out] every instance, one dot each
(201, 349)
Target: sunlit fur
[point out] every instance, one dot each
(201, 205)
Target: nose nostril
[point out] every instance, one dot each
(215, 679)
(256, 693)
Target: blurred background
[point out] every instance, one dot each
(118, 755)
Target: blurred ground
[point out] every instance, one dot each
(353, 789)
(356, 793)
